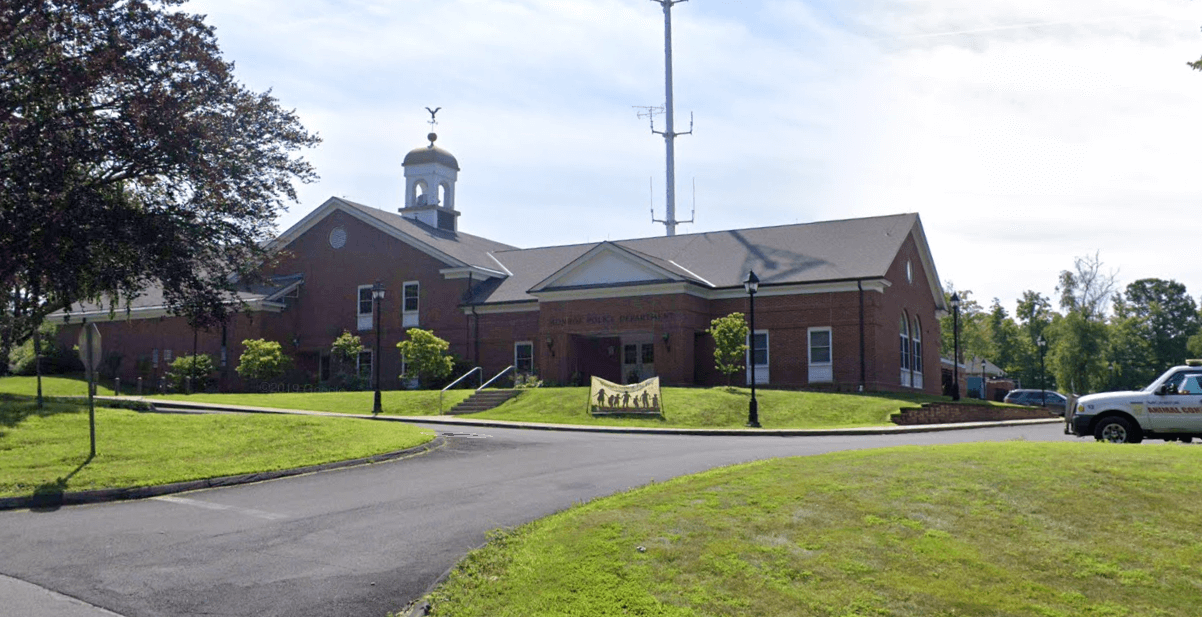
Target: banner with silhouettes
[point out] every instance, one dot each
(607, 397)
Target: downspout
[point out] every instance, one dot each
(863, 368)
(467, 320)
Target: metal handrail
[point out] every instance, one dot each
(453, 384)
(498, 376)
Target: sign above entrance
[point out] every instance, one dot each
(606, 319)
(607, 397)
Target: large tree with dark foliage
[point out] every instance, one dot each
(131, 157)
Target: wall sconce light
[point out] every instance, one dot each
(611, 350)
(666, 339)
(551, 346)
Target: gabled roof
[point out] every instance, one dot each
(829, 251)
(609, 264)
(454, 248)
(263, 295)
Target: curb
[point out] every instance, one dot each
(55, 500)
(175, 405)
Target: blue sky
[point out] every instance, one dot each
(1024, 132)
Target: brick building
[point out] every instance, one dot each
(841, 304)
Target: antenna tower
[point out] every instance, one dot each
(669, 133)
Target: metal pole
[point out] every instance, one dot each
(753, 408)
(955, 353)
(377, 408)
(91, 391)
(670, 133)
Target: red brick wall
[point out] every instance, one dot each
(947, 413)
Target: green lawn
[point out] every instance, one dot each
(1047, 530)
(714, 408)
(721, 408)
(46, 450)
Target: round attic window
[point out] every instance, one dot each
(338, 237)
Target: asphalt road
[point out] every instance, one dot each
(367, 540)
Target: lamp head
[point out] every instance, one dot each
(955, 300)
(752, 284)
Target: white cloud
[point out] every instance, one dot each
(1025, 132)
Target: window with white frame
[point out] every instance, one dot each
(523, 357)
(820, 357)
(166, 356)
(154, 358)
(409, 304)
(904, 333)
(363, 307)
(757, 354)
(916, 358)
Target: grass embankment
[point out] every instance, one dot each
(983, 529)
(715, 408)
(46, 450)
(720, 408)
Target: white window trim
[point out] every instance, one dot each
(410, 319)
(359, 363)
(916, 367)
(363, 320)
(761, 370)
(517, 344)
(820, 372)
(906, 349)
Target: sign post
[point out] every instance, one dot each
(89, 353)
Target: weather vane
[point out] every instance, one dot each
(433, 120)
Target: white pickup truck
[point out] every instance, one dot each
(1169, 409)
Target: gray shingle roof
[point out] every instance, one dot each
(466, 248)
(806, 253)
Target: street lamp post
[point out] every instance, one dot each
(1042, 343)
(377, 296)
(955, 346)
(752, 285)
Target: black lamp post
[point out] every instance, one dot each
(377, 296)
(955, 346)
(1042, 343)
(752, 285)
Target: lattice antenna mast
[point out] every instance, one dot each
(669, 133)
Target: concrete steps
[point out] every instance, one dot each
(483, 400)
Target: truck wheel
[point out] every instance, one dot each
(1116, 430)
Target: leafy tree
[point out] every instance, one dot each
(1131, 359)
(345, 352)
(730, 344)
(974, 333)
(425, 356)
(1163, 314)
(261, 360)
(1005, 341)
(1076, 353)
(199, 367)
(131, 158)
(1086, 289)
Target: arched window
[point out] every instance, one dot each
(905, 349)
(916, 359)
(419, 193)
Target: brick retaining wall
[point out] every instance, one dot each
(947, 413)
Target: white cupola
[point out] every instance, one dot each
(430, 174)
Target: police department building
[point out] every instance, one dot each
(842, 305)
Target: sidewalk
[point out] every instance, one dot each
(186, 406)
(22, 598)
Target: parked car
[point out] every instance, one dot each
(1055, 400)
(1170, 408)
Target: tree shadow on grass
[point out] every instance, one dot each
(16, 408)
(49, 496)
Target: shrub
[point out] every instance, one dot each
(425, 356)
(261, 360)
(200, 368)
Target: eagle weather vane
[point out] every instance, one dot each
(433, 120)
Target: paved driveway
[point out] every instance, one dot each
(364, 541)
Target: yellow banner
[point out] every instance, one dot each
(609, 397)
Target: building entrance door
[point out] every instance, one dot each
(638, 358)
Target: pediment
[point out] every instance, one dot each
(606, 265)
